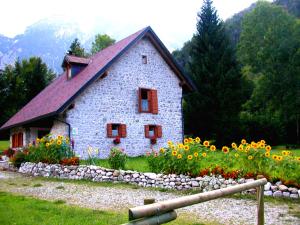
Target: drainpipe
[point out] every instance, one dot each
(69, 127)
(182, 118)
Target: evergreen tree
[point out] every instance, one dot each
(101, 41)
(213, 111)
(76, 49)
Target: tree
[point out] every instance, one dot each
(269, 49)
(213, 111)
(20, 83)
(101, 41)
(76, 49)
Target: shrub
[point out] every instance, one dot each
(74, 161)
(117, 158)
(18, 159)
(49, 150)
(9, 152)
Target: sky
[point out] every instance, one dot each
(173, 20)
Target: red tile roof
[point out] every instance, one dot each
(61, 92)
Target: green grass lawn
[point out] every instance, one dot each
(4, 145)
(28, 211)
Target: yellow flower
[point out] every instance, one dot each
(60, 137)
(236, 155)
(263, 141)
(247, 148)
(285, 153)
(213, 148)
(250, 157)
(233, 145)
(191, 140)
(253, 145)
(274, 157)
(58, 142)
(279, 158)
(267, 154)
(162, 150)
(174, 153)
(180, 145)
(243, 141)
(47, 145)
(197, 140)
(241, 148)
(225, 149)
(179, 156)
(186, 141)
(186, 147)
(206, 143)
(298, 159)
(37, 140)
(196, 154)
(268, 148)
(190, 157)
(170, 142)
(204, 154)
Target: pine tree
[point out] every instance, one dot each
(213, 111)
(76, 49)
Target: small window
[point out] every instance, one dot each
(148, 102)
(17, 140)
(153, 131)
(116, 130)
(144, 59)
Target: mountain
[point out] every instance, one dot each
(48, 39)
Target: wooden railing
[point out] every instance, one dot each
(163, 212)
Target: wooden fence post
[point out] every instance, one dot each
(260, 203)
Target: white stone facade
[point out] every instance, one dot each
(114, 99)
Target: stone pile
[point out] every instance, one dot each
(170, 181)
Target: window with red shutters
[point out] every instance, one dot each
(17, 140)
(116, 130)
(153, 131)
(20, 140)
(148, 101)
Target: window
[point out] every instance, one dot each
(17, 140)
(144, 59)
(153, 131)
(148, 102)
(116, 130)
(42, 133)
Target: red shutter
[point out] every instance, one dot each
(109, 130)
(140, 100)
(147, 131)
(154, 102)
(20, 139)
(123, 132)
(158, 131)
(13, 141)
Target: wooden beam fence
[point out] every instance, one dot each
(163, 212)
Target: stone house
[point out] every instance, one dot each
(130, 92)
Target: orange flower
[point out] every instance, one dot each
(225, 149)
(206, 143)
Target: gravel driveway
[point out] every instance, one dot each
(220, 211)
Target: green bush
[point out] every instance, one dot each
(49, 150)
(18, 159)
(117, 158)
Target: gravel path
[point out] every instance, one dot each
(220, 211)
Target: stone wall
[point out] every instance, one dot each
(171, 181)
(114, 99)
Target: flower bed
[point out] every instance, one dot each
(240, 160)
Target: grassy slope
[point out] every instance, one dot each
(26, 210)
(4, 145)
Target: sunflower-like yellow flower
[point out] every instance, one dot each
(274, 157)
(60, 137)
(298, 159)
(196, 154)
(213, 148)
(186, 141)
(174, 153)
(268, 148)
(243, 141)
(47, 144)
(250, 157)
(225, 149)
(247, 148)
(267, 154)
(206, 143)
(180, 145)
(279, 158)
(37, 140)
(197, 140)
(204, 154)
(179, 156)
(186, 147)
(253, 145)
(241, 148)
(233, 145)
(236, 155)
(59, 142)
(170, 143)
(191, 140)
(162, 150)
(263, 141)
(190, 157)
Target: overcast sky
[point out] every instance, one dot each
(173, 20)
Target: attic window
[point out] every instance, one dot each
(144, 59)
(75, 69)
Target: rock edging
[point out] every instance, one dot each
(170, 181)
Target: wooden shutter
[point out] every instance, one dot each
(147, 131)
(13, 140)
(154, 102)
(158, 131)
(123, 132)
(109, 130)
(140, 100)
(20, 139)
